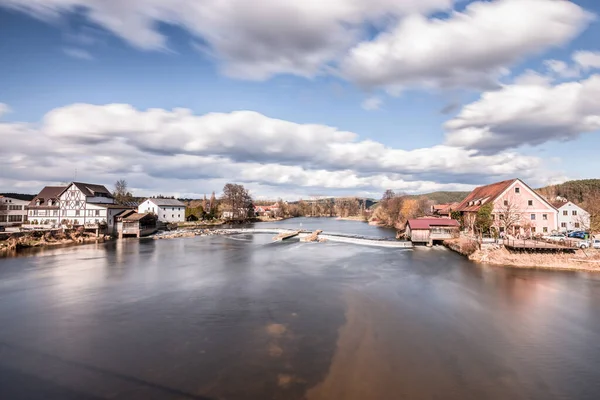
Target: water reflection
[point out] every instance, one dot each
(244, 318)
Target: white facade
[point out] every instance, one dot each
(12, 211)
(167, 210)
(571, 217)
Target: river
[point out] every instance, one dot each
(242, 317)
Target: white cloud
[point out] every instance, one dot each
(179, 152)
(587, 59)
(530, 114)
(562, 69)
(371, 103)
(4, 109)
(469, 48)
(253, 39)
(77, 53)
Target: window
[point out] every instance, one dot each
(506, 202)
(3, 218)
(15, 218)
(533, 230)
(545, 217)
(14, 207)
(529, 202)
(574, 212)
(563, 224)
(3, 207)
(172, 215)
(55, 213)
(545, 229)
(501, 229)
(97, 213)
(565, 212)
(517, 190)
(77, 212)
(533, 217)
(501, 217)
(178, 215)
(576, 224)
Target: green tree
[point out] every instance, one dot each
(483, 220)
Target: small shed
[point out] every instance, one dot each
(429, 230)
(136, 224)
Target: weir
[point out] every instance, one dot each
(328, 236)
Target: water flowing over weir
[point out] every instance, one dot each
(329, 236)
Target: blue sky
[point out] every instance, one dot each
(294, 99)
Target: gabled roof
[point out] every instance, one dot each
(559, 203)
(137, 217)
(90, 189)
(47, 193)
(483, 194)
(427, 223)
(167, 202)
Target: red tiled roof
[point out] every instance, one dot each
(488, 193)
(427, 223)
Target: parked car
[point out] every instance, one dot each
(2, 229)
(578, 235)
(556, 237)
(586, 244)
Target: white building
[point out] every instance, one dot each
(76, 204)
(571, 217)
(12, 211)
(167, 210)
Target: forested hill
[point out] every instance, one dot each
(581, 191)
(443, 197)
(20, 196)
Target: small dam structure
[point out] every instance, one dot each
(320, 236)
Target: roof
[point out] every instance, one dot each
(47, 193)
(136, 216)
(167, 202)
(110, 205)
(483, 194)
(90, 189)
(427, 223)
(558, 203)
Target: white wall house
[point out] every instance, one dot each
(12, 211)
(571, 217)
(75, 204)
(167, 210)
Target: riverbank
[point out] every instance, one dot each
(357, 218)
(23, 240)
(578, 260)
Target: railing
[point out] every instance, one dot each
(539, 243)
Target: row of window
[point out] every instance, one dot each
(11, 207)
(42, 213)
(566, 212)
(11, 218)
(544, 217)
(564, 225)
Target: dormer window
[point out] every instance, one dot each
(49, 202)
(37, 202)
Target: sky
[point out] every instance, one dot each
(298, 99)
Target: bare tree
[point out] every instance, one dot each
(237, 201)
(121, 192)
(509, 214)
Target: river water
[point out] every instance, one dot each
(244, 318)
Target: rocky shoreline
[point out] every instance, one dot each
(23, 240)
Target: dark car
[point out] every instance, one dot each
(2, 229)
(577, 235)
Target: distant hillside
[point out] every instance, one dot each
(20, 196)
(443, 197)
(579, 191)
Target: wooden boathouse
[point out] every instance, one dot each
(131, 223)
(430, 230)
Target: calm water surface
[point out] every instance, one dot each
(244, 318)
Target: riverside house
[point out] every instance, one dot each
(12, 211)
(76, 204)
(571, 217)
(167, 210)
(517, 209)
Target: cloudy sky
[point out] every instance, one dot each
(294, 98)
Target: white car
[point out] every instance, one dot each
(584, 244)
(556, 237)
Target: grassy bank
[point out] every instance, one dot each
(579, 260)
